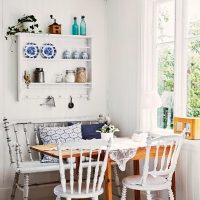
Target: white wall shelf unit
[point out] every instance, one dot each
(54, 66)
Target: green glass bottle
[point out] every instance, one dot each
(75, 28)
(83, 26)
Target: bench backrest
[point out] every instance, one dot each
(20, 137)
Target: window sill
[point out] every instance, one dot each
(161, 131)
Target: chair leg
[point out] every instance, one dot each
(58, 198)
(26, 187)
(116, 178)
(124, 190)
(14, 187)
(171, 195)
(149, 197)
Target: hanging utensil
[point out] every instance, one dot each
(70, 104)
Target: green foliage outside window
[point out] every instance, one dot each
(166, 63)
(193, 101)
(166, 83)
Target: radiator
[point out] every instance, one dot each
(188, 172)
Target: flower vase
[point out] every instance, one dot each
(107, 136)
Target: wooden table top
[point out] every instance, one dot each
(50, 149)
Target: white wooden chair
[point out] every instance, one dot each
(159, 176)
(92, 186)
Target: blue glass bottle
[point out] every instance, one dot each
(83, 26)
(75, 28)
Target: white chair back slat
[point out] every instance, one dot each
(175, 153)
(71, 172)
(171, 148)
(9, 141)
(156, 157)
(93, 147)
(80, 173)
(103, 167)
(62, 171)
(169, 155)
(96, 173)
(37, 141)
(27, 142)
(89, 171)
(18, 146)
(163, 157)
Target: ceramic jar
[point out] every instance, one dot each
(81, 75)
(66, 54)
(39, 75)
(84, 55)
(75, 55)
(70, 76)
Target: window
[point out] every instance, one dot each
(164, 54)
(166, 49)
(171, 65)
(193, 57)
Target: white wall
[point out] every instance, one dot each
(115, 26)
(63, 10)
(123, 39)
(124, 19)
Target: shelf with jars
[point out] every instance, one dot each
(51, 64)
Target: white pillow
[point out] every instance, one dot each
(52, 135)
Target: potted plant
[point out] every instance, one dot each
(107, 131)
(25, 24)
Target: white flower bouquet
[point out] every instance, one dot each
(108, 128)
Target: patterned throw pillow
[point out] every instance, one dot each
(52, 135)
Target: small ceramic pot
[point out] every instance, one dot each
(84, 55)
(26, 25)
(75, 55)
(66, 54)
(107, 136)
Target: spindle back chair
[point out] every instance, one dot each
(157, 171)
(78, 187)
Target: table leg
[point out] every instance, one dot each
(174, 186)
(108, 180)
(136, 171)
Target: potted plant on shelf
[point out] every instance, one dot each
(107, 131)
(25, 24)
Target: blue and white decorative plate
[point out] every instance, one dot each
(48, 51)
(31, 50)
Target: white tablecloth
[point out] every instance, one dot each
(123, 149)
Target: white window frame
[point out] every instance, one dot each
(148, 118)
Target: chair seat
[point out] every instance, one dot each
(37, 166)
(59, 192)
(152, 183)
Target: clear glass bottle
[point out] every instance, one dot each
(82, 26)
(75, 29)
(70, 76)
(59, 78)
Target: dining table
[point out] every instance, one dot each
(122, 150)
